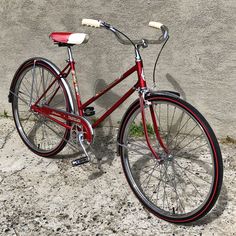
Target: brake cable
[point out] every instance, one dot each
(154, 69)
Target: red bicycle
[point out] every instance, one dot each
(169, 153)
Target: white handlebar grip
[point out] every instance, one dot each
(90, 22)
(154, 24)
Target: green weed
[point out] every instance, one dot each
(4, 114)
(136, 130)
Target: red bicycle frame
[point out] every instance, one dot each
(54, 114)
(70, 67)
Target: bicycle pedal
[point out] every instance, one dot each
(89, 111)
(80, 161)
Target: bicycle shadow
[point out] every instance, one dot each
(217, 211)
(103, 148)
(176, 85)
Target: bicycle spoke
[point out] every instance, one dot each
(138, 154)
(140, 146)
(183, 155)
(159, 183)
(167, 107)
(158, 118)
(176, 176)
(149, 175)
(193, 185)
(179, 130)
(191, 149)
(169, 131)
(25, 89)
(75, 148)
(22, 99)
(186, 135)
(164, 188)
(26, 119)
(184, 170)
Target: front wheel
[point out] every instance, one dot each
(185, 185)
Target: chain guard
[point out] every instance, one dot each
(83, 126)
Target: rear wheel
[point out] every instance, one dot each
(185, 185)
(42, 135)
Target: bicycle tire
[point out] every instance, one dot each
(40, 134)
(184, 186)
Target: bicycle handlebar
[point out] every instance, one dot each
(142, 42)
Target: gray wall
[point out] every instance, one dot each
(198, 61)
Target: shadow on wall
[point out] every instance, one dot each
(109, 98)
(176, 85)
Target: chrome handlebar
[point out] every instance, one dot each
(143, 42)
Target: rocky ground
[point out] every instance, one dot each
(41, 196)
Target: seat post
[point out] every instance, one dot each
(76, 87)
(71, 59)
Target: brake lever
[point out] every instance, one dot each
(105, 25)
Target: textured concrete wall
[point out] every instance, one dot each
(198, 61)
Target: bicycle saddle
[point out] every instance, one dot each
(68, 38)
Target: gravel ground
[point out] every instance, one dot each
(40, 196)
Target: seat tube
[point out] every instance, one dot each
(75, 82)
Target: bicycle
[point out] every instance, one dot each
(169, 153)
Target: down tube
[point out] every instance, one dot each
(110, 86)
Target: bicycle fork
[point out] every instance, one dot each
(143, 102)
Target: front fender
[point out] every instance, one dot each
(163, 92)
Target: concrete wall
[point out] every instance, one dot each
(198, 61)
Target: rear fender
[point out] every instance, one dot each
(48, 63)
